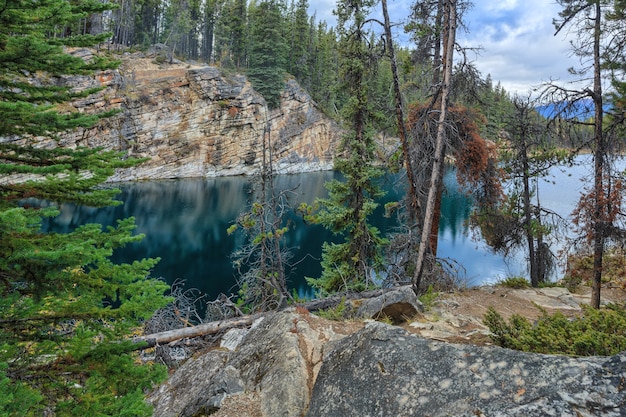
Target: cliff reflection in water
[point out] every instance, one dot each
(186, 222)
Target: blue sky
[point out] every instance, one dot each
(519, 48)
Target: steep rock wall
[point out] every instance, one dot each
(195, 121)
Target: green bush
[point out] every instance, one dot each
(428, 298)
(514, 282)
(335, 313)
(598, 333)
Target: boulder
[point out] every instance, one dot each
(385, 371)
(199, 385)
(398, 305)
(277, 360)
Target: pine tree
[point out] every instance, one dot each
(267, 51)
(299, 44)
(518, 220)
(324, 69)
(352, 264)
(65, 308)
(231, 34)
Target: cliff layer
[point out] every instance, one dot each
(197, 121)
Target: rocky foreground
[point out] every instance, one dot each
(294, 363)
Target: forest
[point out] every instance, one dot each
(68, 312)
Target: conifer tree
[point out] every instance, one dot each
(518, 220)
(299, 47)
(350, 265)
(65, 308)
(267, 51)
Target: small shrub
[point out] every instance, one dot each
(514, 282)
(335, 313)
(598, 333)
(580, 269)
(428, 298)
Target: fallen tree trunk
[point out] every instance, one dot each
(154, 339)
(203, 329)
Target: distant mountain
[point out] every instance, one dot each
(581, 110)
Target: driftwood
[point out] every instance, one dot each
(213, 327)
(152, 340)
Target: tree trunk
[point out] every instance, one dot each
(438, 163)
(532, 253)
(599, 155)
(412, 191)
(213, 327)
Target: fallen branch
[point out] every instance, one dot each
(213, 327)
(154, 339)
(333, 301)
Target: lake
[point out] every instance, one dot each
(185, 222)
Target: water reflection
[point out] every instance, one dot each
(186, 222)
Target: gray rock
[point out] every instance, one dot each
(273, 360)
(232, 339)
(385, 371)
(199, 385)
(399, 305)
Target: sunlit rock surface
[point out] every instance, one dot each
(295, 364)
(385, 371)
(194, 120)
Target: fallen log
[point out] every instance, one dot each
(334, 300)
(152, 340)
(203, 329)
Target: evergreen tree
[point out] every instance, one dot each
(231, 34)
(65, 308)
(324, 69)
(267, 51)
(299, 45)
(352, 264)
(210, 10)
(518, 220)
(261, 262)
(146, 22)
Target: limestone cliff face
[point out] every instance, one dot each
(196, 121)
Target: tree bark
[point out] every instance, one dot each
(599, 155)
(154, 339)
(213, 327)
(410, 174)
(438, 163)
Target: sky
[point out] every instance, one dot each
(516, 37)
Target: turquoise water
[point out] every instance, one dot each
(186, 221)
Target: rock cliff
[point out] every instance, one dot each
(197, 121)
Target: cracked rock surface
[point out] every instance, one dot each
(437, 363)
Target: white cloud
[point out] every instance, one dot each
(323, 10)
(518, 46)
